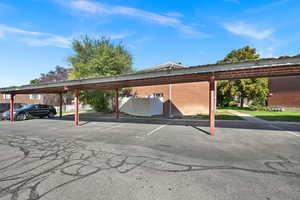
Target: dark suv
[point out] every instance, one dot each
(31, 111)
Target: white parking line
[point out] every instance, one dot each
(295, 134)
(290, 132)
(103, 130)
(108, 128)
(158, 128)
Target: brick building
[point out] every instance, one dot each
(284, 91)
(23, 98)
(178, 99)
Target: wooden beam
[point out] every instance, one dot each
(77, 101)
(117, 104)
(12, 108)
(60, 104)
(212, 104)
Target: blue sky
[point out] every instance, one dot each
(35, 35)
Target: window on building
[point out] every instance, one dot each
(158, 95)
(6, 96)
(35, 97)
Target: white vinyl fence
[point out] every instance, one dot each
(71, 108)
(141, 106)
(130, 105)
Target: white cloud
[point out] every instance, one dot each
(174, 14)
(9, 83)
(267, 52)
(7, 29)
(53, 40)
(35, 38)
(97, 8)
(241, 28)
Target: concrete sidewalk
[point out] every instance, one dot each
(246, 117)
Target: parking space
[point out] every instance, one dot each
(148, 159)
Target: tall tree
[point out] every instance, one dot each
(98, 57)
(251, 89)
(59, 74)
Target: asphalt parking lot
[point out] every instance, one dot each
(148, 160)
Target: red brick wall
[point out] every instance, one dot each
(186, 98)
(285, 91)
(22, 98)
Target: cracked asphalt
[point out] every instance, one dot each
(154, 160)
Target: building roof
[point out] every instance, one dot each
(268, 67)
(164, 67)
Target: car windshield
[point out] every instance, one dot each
(28, 106)
(19, 106)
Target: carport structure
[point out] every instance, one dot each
(268, 67)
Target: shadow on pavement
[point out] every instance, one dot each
(234, 124)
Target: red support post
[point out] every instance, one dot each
(77, 97)
(12, 109)
(60, 104)
(117, 104)
(212, 104)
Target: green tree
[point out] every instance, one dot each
(59, 74)
(226, 90)
(255, 90)
(98, 57)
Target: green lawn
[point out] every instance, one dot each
(272, 116)
(224, 114)
(72, 113)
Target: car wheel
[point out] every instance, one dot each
(51, 115)
(21, 117)
(28, 116)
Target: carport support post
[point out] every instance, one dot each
(77, 96)
(117, 104)
(12, 109)
(60, 104)
(212, 103)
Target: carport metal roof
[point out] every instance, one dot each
(268, 67)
